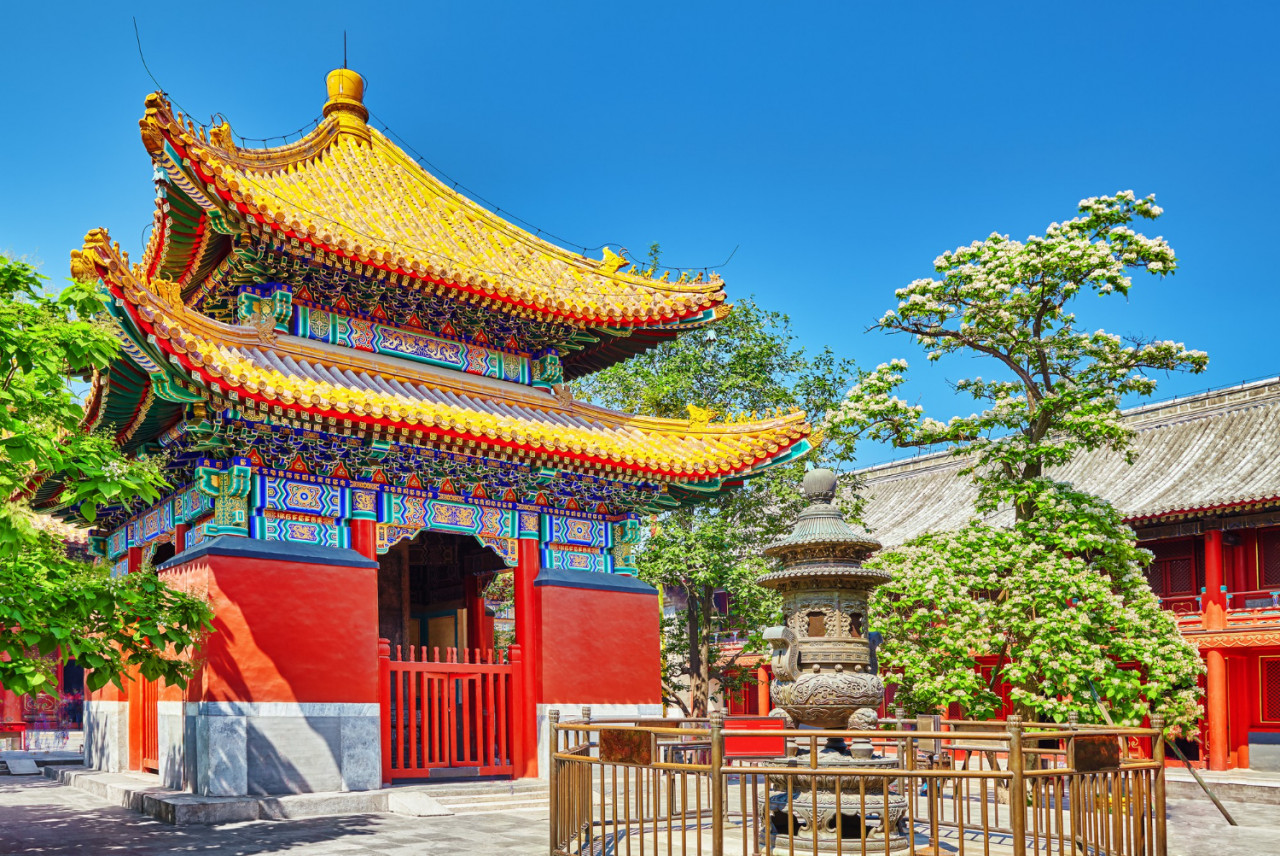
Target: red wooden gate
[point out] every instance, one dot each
(150, 730)
(446, 707)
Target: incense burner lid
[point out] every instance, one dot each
(821, 538)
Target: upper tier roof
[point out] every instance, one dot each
(1200, 455)
(389, 394)
(348, 190)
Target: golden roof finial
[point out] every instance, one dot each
(346, 101)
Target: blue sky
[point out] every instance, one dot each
(839, 147)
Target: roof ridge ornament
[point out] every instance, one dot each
(346, 102)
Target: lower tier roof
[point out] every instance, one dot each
(389, 395)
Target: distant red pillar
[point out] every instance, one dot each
(1214, 605)
(135, 559)
(1216, 704)
(762, 690)
(364, 538)
(529, 638)
(180, 538)
(10, 703)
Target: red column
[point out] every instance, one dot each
(135, 559)
(762, 690)
(364, 538)
(1214, 604)
(529, 638)
(1216, 704)
(180, 538)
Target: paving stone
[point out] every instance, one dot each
(39, 816)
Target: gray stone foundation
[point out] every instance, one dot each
(106, 735)
(248, 748)
(261, 748)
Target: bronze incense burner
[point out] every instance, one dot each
(823, 677)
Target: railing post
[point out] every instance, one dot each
(515, 723)
(1017, 786)
(717, 783)
(1075, 800)
(384, 699)
(553, 742)
(1157, 755)
(900, 714)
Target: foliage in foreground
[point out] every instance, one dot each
(51, 605)
(748, 363)
(1058, 599)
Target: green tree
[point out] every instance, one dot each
(1058, 599)
(748, 363)
(50, 604)
(501, 591)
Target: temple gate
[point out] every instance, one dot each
(356, 378)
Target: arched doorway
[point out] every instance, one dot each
(430, 591)
(449, 696)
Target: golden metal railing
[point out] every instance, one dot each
(655, 787)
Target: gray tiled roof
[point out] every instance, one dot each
(1220, 448)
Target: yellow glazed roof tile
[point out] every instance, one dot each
(345, 187)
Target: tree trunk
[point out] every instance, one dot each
(1027, 510)
(697, 662)
(704, 649)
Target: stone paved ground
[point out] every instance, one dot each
(38, 816)
(1196, 828)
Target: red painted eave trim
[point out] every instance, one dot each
(1201, 509)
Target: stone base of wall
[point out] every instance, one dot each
(247, 748)
(1264, 751)
(263, 748)
(54, 740)
(106, 735)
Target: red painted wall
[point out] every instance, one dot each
(285, 631)
(599, 647)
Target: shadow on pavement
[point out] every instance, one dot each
(41, 817)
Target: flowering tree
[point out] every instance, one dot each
(1058, 600)
(49, 603)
